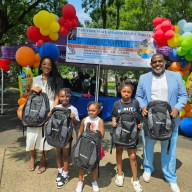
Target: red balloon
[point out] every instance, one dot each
(46, 38)
(64, 31)
(33, 34)
(40, 42)
(159, 34)
(166, 25)
(163, 41)
(61, 21)
(75, 22)
(4, 62)
(69, 11)
(158, 27)
(169, 34)
(68, 25)
(173, 27)
(157, 21)
(160, 44)
(5, 67)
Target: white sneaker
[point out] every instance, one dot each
(136, 185)
(79, 187)
(174, 187)
(95, 186)
(119, 180)
(146, 177)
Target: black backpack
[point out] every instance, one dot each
(86, 152)
(158, 124)
(36, 109)
(126, 133)
(59, 130)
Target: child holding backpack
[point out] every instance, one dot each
(126, 104)
(62, 154)
(97, 124)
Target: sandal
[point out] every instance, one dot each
(31, 166)
(42, 168)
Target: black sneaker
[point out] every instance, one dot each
(58, 178)
(62, 182)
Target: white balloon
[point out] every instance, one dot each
(186, 34)
(187, 27)
(181, 23)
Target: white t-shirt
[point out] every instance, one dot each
(94, 122)
(73, 110)
(159, 88)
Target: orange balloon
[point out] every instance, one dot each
(187, 67)
(37, 57)
(36, 65)
(188, 114)
(25, 56)
(19, 111)
(188, 107)
(22, 101)
(175, 66)
(186, 72)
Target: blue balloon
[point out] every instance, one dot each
(51, 50)
(37, 49)
(173, 55)
(186, 127)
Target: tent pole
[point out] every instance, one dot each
(2, 91)
(96, 91)
(97, 83)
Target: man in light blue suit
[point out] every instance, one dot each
(161, 84)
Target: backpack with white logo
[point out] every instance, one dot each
(126, 133)
(36, 109)
(59, 129)
(86, 152)
(158, 124)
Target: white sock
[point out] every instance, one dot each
(94, 183)
(60, 170)
(65, 174)
(79, 186)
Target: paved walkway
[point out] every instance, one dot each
(14, 176)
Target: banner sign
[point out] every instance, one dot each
(110, 47)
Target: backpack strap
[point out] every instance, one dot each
(168, 147)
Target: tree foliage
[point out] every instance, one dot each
(138, 14)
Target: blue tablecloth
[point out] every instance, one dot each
(81, 104)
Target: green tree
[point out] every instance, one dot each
(95, 4)
(118, 4)
(16, 16)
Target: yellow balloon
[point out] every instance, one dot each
(182, 113)
(53, 17)
(44, 31)
(44, 18)
(175, 41)
(35, 21)
(54, 27)
(177, 29)
(53, 36)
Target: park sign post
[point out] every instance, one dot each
(110, 47)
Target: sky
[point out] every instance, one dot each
(79, 10)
